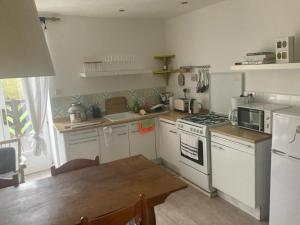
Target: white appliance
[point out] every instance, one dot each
(235, 103)
(285, 168)
(257, 116)
(195, 156)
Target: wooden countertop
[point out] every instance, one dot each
(65, 126)
(241, 133)
(91, 192)
(173, 115)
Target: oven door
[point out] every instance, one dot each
(251, 119)
(193, 151)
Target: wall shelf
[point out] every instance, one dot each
(275, 66)
(114, 73)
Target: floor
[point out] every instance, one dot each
(190, 207)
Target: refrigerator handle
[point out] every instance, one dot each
(280, 153)
(295, 135)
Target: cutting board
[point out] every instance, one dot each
(116, 105)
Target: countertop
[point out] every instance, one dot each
(64, 125)
(241, 133)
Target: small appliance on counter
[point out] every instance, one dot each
(257, 116)
(77, 113)
(235, 103)
(164, 98)
(194, 106)
(181, 104)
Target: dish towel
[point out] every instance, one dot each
(189, 145)
(107, 133)
(146, 126)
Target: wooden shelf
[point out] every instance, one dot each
(164, 72)
(275, 66)
(163, 57)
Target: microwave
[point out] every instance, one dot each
(257, 116)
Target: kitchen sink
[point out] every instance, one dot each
(121, 116)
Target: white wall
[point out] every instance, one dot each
(73, 40)
(221, 34)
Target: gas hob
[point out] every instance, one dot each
(199, 123)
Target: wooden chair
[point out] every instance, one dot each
(17, 164)
(132, 215)
(6, 182)
(75, 165)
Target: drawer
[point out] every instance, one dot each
(237, 144)
(81, 135)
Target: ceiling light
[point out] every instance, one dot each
(122, 10)
(184, 3)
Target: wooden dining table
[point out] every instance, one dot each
(91, 192)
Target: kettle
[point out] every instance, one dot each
(193, 106)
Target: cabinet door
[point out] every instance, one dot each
(143, 144)
(82, 145)
(169, 144)
(118, 147)
(233, 172)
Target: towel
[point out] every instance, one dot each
(107, 133)
(189, 140)
(146, 126)
(7, 160)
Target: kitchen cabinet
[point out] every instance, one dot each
(118, 146)
(241, 170)
(143, 144)
(169, 148)
(82, 144)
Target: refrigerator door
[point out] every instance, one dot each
(285, 191)
(286, 134)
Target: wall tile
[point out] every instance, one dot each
(60, 105)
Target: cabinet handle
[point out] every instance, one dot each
(173, 132)
(220, 148)
(248, 146)
(122, 134)
(134, 132)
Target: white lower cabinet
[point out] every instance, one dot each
(241, 170)
(169, 148)
(118, 145)
(143, 144)
(83, 144)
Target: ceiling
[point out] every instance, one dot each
(110, 8)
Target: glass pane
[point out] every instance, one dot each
(18, 117)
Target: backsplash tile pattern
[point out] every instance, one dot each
(282, 99)
(60, 105)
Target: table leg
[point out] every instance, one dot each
(150, 217)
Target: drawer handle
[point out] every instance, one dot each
(218, 147)
(248, 146)
(173, 132)
(122, 134)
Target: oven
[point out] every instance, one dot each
(193, 151)
(252, 119)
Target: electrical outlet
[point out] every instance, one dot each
(247, 93)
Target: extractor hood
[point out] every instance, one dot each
(23, 48)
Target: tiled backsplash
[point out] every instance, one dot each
(282, 99)
(60, 105)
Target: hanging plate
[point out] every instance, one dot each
(181, 79)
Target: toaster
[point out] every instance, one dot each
(181, 104)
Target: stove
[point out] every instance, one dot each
(198, 123)
(195, 155)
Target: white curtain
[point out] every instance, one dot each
(36, 96)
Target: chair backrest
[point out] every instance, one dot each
(135, 212)
(14, 181)
(10, 155)
(74, 164)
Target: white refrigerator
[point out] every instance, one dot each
(285, 168)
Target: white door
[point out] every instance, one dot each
(233, 172)
(285, 191)
(15, 122)
(118, 146)
(169, 143)
(143, 144)
(285, 135)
